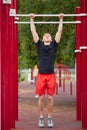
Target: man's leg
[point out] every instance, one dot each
(50, 110)
(50, 106)
(51, 83)
(41, 105)
(41, 108)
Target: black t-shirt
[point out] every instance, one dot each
(46, 55)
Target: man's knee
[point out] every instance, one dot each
(50, 97)
(41, 97)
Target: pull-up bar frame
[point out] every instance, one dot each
(13, 14)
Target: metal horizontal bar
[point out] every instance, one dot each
(49, 15)
(52, 22)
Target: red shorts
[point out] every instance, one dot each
(45, 83)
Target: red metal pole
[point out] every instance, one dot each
(56, 90)
(5, 68)
(0, 68)
(16, 62)
(12, 69)
(11, 74)
(70, 87)
(64, 84)
(57, 87)
(9, 68)
(78, 67)
(60, 79)
(84, 63)
(13, 41)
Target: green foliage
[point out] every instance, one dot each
(27, 47)
(20, 77)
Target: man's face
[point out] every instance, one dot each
(47, 37)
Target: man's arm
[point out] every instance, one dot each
(33, 28)
(60, 27)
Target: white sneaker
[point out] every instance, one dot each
(50, 123)
(37, 96)
(41, 122)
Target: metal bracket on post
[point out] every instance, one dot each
(77, 51)
(83, 47)
(12, 12)
(6, 1)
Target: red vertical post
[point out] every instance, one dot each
(60, 79)
(5, 68)
(56, 86)
(78, 66)
(64, 84)
(11, 74)
(16, 62)
(0, 67)
(84, 63)
(8, 67)
(13, 41)
(70, 87)
(12, 68)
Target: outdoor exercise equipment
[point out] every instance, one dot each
(63, 74)
(9, 60)
(16, 16)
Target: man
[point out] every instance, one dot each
(46, 80)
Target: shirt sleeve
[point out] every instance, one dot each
(38, 43)
(55, 43)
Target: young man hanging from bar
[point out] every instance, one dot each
(46, 80)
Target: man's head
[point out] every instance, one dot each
(47, 37)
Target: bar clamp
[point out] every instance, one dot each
(7, 1)
(12, 12)
(83, 47)
(78, 51)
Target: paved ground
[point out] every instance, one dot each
(64, 114)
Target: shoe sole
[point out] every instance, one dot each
(41, 126)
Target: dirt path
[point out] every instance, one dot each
(64, 114)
